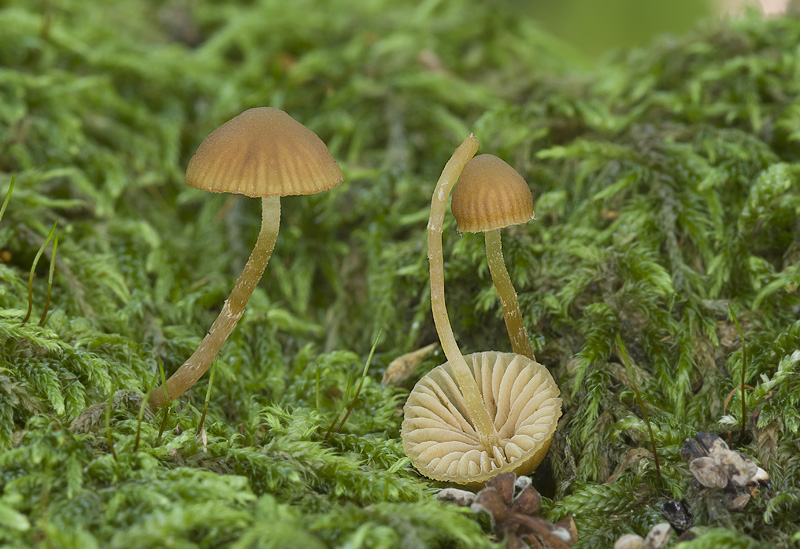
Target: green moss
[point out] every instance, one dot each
(666, 188)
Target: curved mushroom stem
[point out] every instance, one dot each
(476, 409)
(197, 364)
(508, 297)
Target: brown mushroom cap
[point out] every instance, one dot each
(263, 152)
(490, 195)
(522, 400)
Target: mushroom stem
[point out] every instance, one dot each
(197, 364)
(508, 297)
(476, 409)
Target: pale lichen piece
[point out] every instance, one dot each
(462, 498)
(708, 472)
(630, 541)
(659, 535)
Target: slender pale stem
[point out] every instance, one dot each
(476, 408)
(197, 364)
(508, 297)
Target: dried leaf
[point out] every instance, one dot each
(404, 366)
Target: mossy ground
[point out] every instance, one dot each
(666, 189)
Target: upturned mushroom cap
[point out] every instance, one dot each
(522, 399)
(490, 195)
(263, 152)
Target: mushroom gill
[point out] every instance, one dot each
(522, 400)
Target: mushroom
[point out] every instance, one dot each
(491, 195)
(476, 416)
(265, 153)
(521, 398)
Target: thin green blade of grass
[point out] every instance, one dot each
(744, 370)
(140, 415)
(8, 196)
(43, 319)
(358, 389)
(167, 402)
(641, 404)
(208, 398)
(33, 270)
(108, 424)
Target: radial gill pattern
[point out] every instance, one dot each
(522, 399)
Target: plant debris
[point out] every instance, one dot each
(678, 514)
(404, 366)
(457, 496)
(512, 504)
(657, 538)
(714, 465)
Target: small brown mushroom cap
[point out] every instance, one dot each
(263, 152)
(522, 399)
(490, 195)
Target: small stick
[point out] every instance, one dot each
(33, 269)
(641, 403)
(330, 429)
(49, 282)
(339, 413)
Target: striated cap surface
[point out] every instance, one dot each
(522, 399)
(263, 152)
(490, 195)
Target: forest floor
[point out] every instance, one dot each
(665, 185)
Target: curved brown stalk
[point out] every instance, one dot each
(197, 364)
(508, 296)
(476, 408)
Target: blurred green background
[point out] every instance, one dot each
(596, 26)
